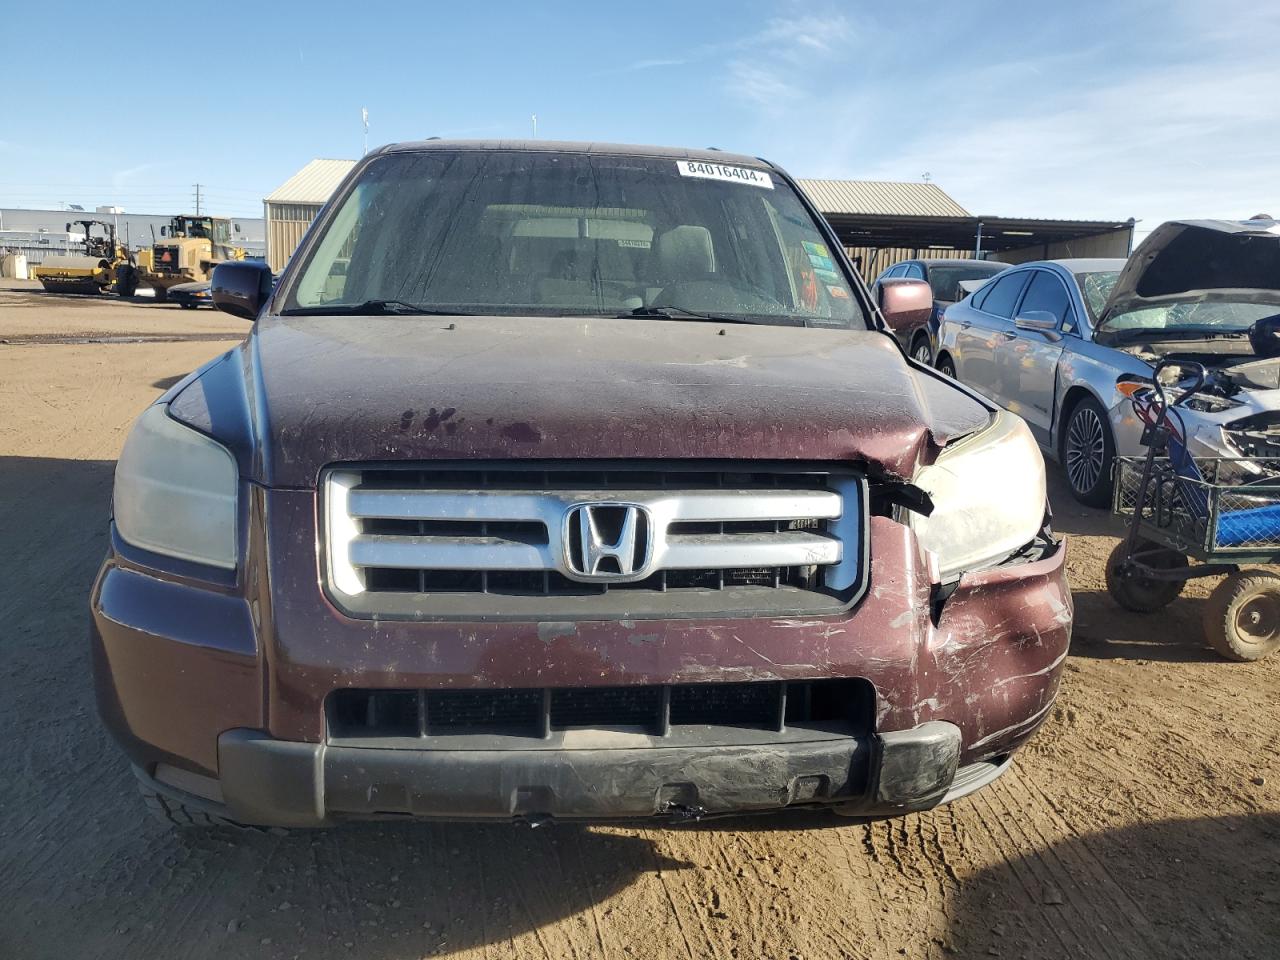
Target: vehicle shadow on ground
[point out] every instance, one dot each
(1072, 517)
(87, 872)
(1202, 888)
(1104, 630)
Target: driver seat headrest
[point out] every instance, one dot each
(686, 252)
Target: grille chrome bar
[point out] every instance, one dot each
(695, 506)
(449, 553)
(790, 549)
(765, 540)
(785, 549)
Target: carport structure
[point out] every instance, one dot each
(880, 223)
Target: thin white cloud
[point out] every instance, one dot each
(639, 65)
(121, 178)
(1180, 118)
(1178, 140)
(772, 67)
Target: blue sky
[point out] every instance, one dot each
(1152, 110)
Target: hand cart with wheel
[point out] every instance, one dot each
(1219, 512)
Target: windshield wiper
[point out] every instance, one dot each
(374, 307)
(1158, 334)
(676, 313)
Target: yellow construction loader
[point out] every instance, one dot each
(188, 250)
(105, 264)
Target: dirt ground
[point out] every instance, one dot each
(1142, 822)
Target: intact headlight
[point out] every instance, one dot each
(175, 492)
(988, 497)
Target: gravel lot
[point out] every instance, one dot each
(1142, 822)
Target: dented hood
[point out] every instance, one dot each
(426, 388)
(1192, 261)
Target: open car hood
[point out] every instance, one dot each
(1195, 261)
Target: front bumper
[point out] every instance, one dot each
(281, 783)
(228, 686)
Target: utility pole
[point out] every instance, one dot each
(364, 116)
(534, 118)
(198, 186)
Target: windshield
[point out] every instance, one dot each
(1097, 288)
(556, 234)
(945, 278)
(1187, 320)
(191, 227)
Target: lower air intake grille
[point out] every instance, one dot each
(423, 715)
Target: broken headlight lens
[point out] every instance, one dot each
(175, 492)
(988, 493)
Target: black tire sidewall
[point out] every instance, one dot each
(919, 341)
(1100, 494)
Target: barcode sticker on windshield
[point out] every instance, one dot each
(721, 171)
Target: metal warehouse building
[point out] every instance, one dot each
(879, 222)
(292, 206)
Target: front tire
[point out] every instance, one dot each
(1087, 453)
(176, 815)
(126, 280)
(922, 350)
(947, 367)
(1242, 616)
(161, 294)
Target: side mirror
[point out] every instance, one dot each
(905, 303)
(164, 231)
(1038, 321)
(241, 287)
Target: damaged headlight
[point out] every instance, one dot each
(988, 495)
(175, 492)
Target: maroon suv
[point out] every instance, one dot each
(572, 481)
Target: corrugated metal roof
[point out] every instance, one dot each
(313, 183)
(881, 198)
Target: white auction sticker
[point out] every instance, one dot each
(721, 171)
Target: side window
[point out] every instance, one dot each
(1069, 324)
(913, 271)
(1046, 294)
(1001, 294)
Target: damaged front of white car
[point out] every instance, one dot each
(1204, 292)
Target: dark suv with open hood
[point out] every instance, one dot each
(572, 481)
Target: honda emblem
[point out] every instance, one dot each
(607, 541)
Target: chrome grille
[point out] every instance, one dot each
(567, 543)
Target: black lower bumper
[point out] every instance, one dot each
(281, 783)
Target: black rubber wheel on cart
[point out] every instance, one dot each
(1138, 593)
(1242, 616)
(162, 294)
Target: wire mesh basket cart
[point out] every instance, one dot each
(1218, 512)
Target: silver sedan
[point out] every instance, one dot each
(1029, 341)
